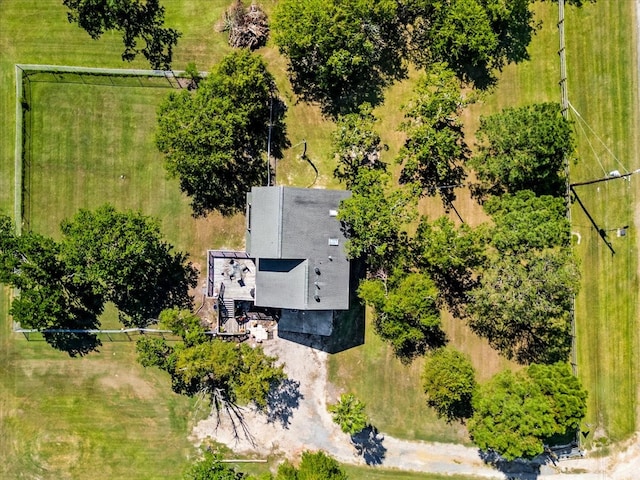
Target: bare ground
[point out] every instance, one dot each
(298, 420)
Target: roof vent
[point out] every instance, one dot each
(317, 298)
(317, 270)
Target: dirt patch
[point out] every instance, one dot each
(299, 421)
(122, 380)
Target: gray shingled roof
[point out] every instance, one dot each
(299, 249)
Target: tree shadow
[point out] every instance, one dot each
(518, 469)
(411, 348)
(282, 399)
(75, 343)
(368, 445)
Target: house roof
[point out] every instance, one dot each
(295, 237)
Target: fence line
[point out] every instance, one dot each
(17, 164)
(22, 143)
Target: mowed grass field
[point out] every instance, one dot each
(601, 41)
(601, 57)
(64, 416)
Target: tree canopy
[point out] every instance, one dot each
(141, 23)
(522, 304)
(356, 145)
(523, 149)
(474, 37)
(435, 150)
(216, 137)
(349, 414)
(374, 219)
(451, 255)
(516, 413)
(406, 313)
(524, 221)
(341, 53)
(313, 466)
(228, 373)
(104, 255)
(125, 260)
(449, 382)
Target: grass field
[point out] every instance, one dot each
(72, 418)
(603, 85)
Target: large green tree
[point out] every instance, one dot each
(516, 413)
(434, 152)
(51, 299)
(524, 221)
(523, 302)
(356, 145)
(449, 382)
(341, 53)
(375, 219)
(229, 374)
(125, 260)
(524, 148)
(474, 37)
(313, 466)
(451, 255)
(406, 313)
(141, 23)
(216, 137)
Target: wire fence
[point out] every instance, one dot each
(26, 75)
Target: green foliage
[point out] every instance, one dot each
(185, 324)
(515, 413)
(287, 471)
(523, 303)
(154, 352)
(374, 219)
(349, 413)
(435, 150)
(406, 313)
(50, 298)
(140, 22)
(230, 373)
(211, 468)
(524, 149)
(474, 37)
(449, 382)
(124, 259)
(215, 138)
(356, 146)
(313, 466)
(524, 221)
(451, 255)
(341, 53)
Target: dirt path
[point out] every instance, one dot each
(301, 422)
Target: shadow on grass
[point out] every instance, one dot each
(74, 343)
(282, 400)
(368, 445)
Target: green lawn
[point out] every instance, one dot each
(602, 59)
(73, 418)
(602, 87)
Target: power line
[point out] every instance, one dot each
(599, 139)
